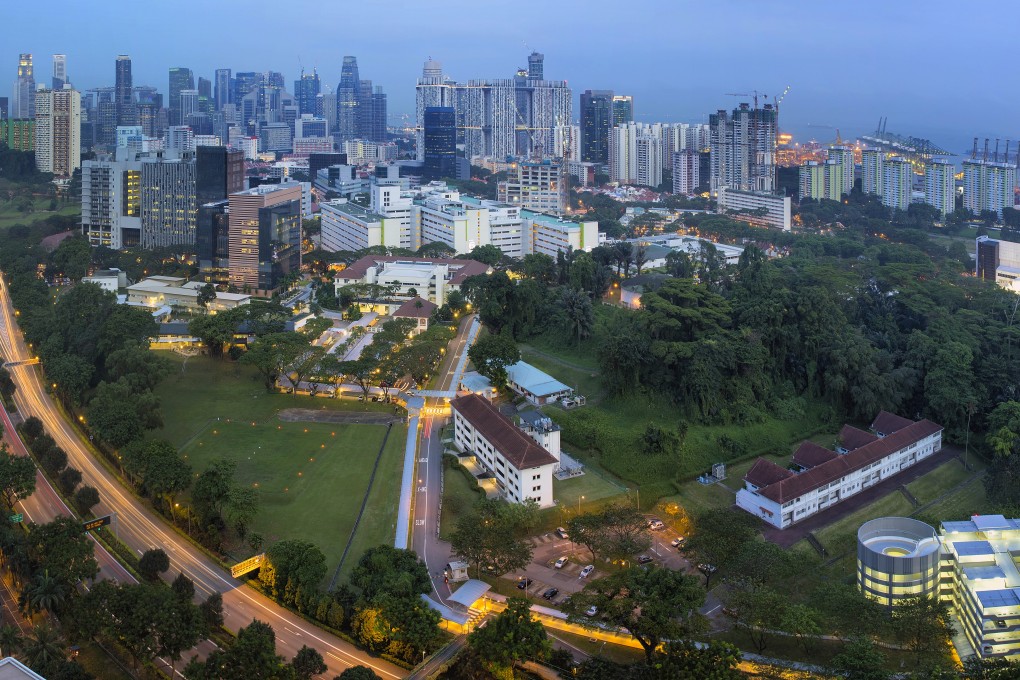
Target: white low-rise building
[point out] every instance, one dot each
(108, 279)
(822, 478)
(536, 386)
(179, 293)
(746, 205)
(348, 226)
(548, 234)
(400, 279)
(523, 469)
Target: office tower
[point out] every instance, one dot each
(897, 183)
(23, 100)
(275, 137)
(188, 104)
(111, 202)
(988, 186)
(743, 149)
(180, 79)
(440, 143)
(264, 236)
(540, 186)
(219, 172)
(57, 131)
(686, 175)
(243, 83)
(872, 161)
(377, 131)
(432, 90)
(821, 180)
(222, 92)
(59, 71)
(169, 208)
(844, 155)
(635, 154)
(212, 242)
(126, 112)
(348, 96)
(623, 109)
(205, 97)
(940, 185)
(180, 138)
(596, 121)
(306, 90)
(536, 66)
(310, 126)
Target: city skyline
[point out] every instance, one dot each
(675, 68)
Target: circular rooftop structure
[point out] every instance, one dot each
(897, 559)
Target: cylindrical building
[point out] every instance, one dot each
(897, 559)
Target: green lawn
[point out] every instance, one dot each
(841, 536)
(311, 477)
(696, 498)
(459, 493)
(10, 215)
(960, 505)
(938, 481)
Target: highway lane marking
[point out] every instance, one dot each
(293, 631)
(712, 610)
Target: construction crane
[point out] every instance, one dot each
(779, 100)
(754, 94)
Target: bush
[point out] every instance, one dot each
(69, 479)
(153, 563)
(86, 498)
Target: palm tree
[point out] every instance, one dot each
(45, 592)
(43, 648)
(10, 640)
(580, 317)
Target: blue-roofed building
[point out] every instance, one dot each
(536, 386)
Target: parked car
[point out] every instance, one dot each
(655, 524)
(707, 568)
(562, 533)
(524, 583)
(551, 593)
(644, 559)
(560, 562)
(591, 611)
(678, 543)
(586, 572)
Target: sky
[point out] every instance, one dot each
(933, 67)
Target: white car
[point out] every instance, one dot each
(562, 533)
(591, 611)
(586, 572)
(560, 562)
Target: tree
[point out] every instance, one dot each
(685, 659)
(119, 416)
(860, 660)
(86, 498)
(206, 294)
(511, 637)
(183, 587)
(273, 354)
(358, 673)
(802, 622)
(10, 640)
(847, 612)
(212, 488)
(487, 254)
(719, 537)
(72, 257)
(493, 537)
(614, 532)
(923, 625)
(307, 662)
(253, 655)
(44, 592)
(241, 508)
(385, 569)
(69, 478)
(17, 476)
(212, 611)
(7, 386)
(654, 605)
(760, 612)
(162, 471)
(63, 549)
(43, 648)
(577, 309)
(215, 330)
(291, 568)
(153, 563)
(71, 375)
(140, 368)
(491, 354)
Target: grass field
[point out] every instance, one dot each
(938, 481)
(10, 215)
(311, 477)
(960, 505)
(841, 536)
(459, 493)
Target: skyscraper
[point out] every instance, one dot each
(596, 120)
(635, 154)
(306, 90)
(348, 96)
(57, 131)
(536, 66)
(686, 177)
(59, 71)
(264, 235)
(180, 79)
(940, 185)
(205, 97)
(219, 172)
(743, 149)
(440, 142)
(623, 109)
(898, 183)
(188, 103)
(432, 91)
(168, 205)
(988, 186)
(872, 161)
(222, 92)
(127, 114)
(23, 100)
(372, 113)
(244, 82)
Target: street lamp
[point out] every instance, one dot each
(579, 499)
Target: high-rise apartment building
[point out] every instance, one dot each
(596, 122)
(306, 92)
(988, 186)
(743, 149)
(123, 99)
(540, 186)
(264, 236)
(180, 138)
(440, 142)
(897, 183)
(940, 186)
(223, 91)
(872, 164)
(58, 131)
(59, 72)
(635, 154)
(169, 204)
(686, 172)
(567, 142)
(536, 66)
(433, 90)
(623, 109)
(23, 100)
(844, 155)
(820, 180)
(18, 133)
(180, 79)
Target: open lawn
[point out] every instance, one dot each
(10, 215)
(959, 505)
(460, 492)
(938, 481)
(841, 536)
(312, 477)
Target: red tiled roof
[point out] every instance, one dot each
(810, 455)
(417, 308)
(887, 423)
(765, 472)
(791, 487)
(459, 269)
(851, 438)
(519, 449)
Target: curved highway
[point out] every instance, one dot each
(141, 528)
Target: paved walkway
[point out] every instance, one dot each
(309, 415)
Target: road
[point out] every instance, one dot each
(141, 528)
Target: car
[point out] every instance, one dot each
(591, 611)
(562, 533)
(551, 593)
(644, 559)
(586, 572)
(524, 583)
(679, 542)
(656, 524)
(560, 562)
(707, 568)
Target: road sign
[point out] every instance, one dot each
(94, 524)
(16, 518)
(249, 565)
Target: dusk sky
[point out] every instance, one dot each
(934, 67)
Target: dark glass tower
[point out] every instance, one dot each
(596, 121)
(536, 66)
(306, 90)
(222, 92)
(219, 172)
(205, 100)
(180, 79)
(348, 96)
(127, 114)
(440, 142)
